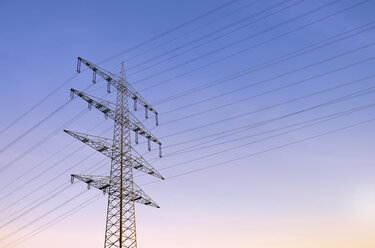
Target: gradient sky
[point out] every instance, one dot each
(316, 193)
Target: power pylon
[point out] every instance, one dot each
(122, 192)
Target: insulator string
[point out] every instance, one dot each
(94, 76)
(108, 87)
(78, 66)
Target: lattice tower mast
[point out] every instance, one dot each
(120, 186)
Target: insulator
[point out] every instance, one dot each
(104, 191)
(72, 179)
(88, 186)
(149, 144)
(157, 119)
(71, 94)
(146, 113)
(79, 66)
(94, 77)
(135, 104)
(106, 116)
(108, 87)
(89, 106)
(160, 154)
(136, 137)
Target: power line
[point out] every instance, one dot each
(85, 204)
(45, 139)
(366, 46)
(305, 96)
(40, 102)
(64, 173)
(312, 122)
(268, 63)
(40, 217)
(272, 106)
(9, 145)
(244, 50)
(307, 13)
(35, 206)
(251, 47)
(54, 221)
(215, 32)
(44, 171)
(220, 18)
(37, 104)
(170, 30)
(354, 94)
(369, 90)
(57, 163)
(41, 142)
(298, 82)
(24, 184)
(350, 96)
(43, 199)
(270, 149)
(19, 177)
(356, 81)
(23, 135)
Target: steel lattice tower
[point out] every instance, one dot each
(122, 192)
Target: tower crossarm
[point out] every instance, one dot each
(102, 145)
(106, 108)
(103, 106)
(98, 143)
(103, 183)
(98, 182)
(116, 82)
(141, 164)
(141, 197)
(139, 128)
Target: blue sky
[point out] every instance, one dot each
(314, 192)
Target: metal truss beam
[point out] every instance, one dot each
(116, 82)
(103, 145)
(103, 183)
(106, 108)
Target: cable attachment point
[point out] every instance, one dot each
(157, 119)
(72, 179)
(149, 144)
(160, 154)
(71, 94)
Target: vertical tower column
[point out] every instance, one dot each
(120, 225)
(123, 193)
